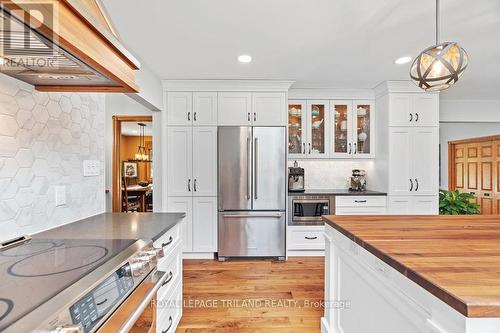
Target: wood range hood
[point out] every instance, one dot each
(64, 46)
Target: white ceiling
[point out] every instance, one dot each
(132, 129)
(317, 43)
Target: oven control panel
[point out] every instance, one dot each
(91, 308)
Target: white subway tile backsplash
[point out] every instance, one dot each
(332, 174)
(44, 139)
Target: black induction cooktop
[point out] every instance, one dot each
(36, 271)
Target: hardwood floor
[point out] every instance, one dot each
(253, 295)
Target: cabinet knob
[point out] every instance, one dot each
(194, 116)
(254, 116)
(411, 185)
(416, 184)
(416, 116)
(411, 117)
(189, 116)
(350, 148)
(248, 116)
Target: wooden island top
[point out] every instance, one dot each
(455, 258)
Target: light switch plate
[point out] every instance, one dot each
(60, 191)
(91, 168)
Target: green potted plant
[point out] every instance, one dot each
(456, 203)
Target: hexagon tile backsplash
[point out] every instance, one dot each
(44, 138)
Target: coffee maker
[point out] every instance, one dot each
(358, 181)
(295, 178)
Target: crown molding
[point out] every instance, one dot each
(402, 86)
(330, 93)
(227, 85)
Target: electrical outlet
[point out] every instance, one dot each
(91, 168)
(60, 191)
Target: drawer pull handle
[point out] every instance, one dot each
(311, 238)
(170, 322)
(170, 277)
(360, 201)
(102, 302)
(170, 240)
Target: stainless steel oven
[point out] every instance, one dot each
(308, 209)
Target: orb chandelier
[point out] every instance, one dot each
(440, 66)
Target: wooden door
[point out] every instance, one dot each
(486, 174)
(459, 164)
(472, 178)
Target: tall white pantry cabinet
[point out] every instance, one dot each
(195, 109)
(407, 164)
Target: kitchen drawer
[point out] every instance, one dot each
(169, 240)
(169, 311)
(172, 265)
(360, 211)
(306, 238)
(360, 201)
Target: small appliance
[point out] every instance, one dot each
(358, 181)
(296, 178)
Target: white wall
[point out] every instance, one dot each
(44, 138)
(332, 174)
(120, 104)
(468, 110)
(457, 131)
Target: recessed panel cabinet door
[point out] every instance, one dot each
(205, 224)
(425, 109)
(180, 108)
(269, 109)
(363, 129)
(400, 106)
(297, 129)
(425, 159)
(205, 109)
(183, 204)
(180, 161)
(204, 161)
(234, 109)
(318, 131)
(400, 159)
(342, 129)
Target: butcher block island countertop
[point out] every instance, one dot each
(455, 258)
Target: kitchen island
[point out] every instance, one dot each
(412, 274)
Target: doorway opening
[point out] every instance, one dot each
(132, 164)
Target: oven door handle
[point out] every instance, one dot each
(144, 304)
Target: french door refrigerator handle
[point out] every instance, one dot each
(249, 167)
(256, 166)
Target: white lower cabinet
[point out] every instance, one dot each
(169, 296)
(199, 227)
(360, 205)
(418, 205)
(305, 238)
(204, 224)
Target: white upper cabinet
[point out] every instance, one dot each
(205, 224)
(342, 121)
(414, 110)
(180, 161)
(413, 161)
(297, 129)
(318, 129)
(425, 157)
(400, 160)
(235, 109)
(363, 129)
(204, 161)
(205, 109)
(180, 108)
(269, 109)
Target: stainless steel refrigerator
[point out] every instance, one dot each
(252, 192)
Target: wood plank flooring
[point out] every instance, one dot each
(253, 296)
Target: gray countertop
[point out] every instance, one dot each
(116, 226)
(334, 192)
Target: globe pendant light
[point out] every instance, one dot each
(439, 66)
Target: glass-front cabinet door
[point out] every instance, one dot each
(318, 129)
(342, 145)
(297, 129)
(363, 129)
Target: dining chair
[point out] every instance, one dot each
(129, 203)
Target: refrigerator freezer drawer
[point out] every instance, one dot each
(252, 234)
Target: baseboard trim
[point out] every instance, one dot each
(198, 255)
(306, 253)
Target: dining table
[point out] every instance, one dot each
(141, 192)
